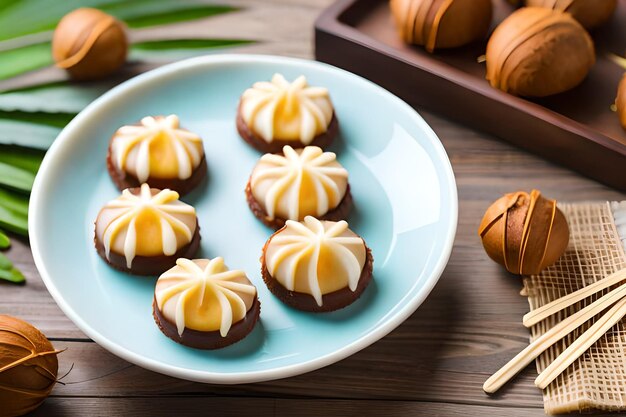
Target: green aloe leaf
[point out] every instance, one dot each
(60, 97)
(12, 275)
(5, 242)
(24, 59)
(25, 158)
(16, 178)
(30, 135)
(14, 202)
(13, 222)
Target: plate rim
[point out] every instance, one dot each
(249, 376)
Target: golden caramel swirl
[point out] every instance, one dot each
(204, 295)
(286, 111)
(299, 183)
(150, 223)
(316, 257)
(156, 148)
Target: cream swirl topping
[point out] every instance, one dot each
(286, 111)
(157, 148)
(299, 183)
(316, 257)
(150, 223)
(204, 295)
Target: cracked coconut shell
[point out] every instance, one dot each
(28, 367)
(524, 232)
(89, 44)
(441, 23)
(538, 52)
(590, 13)
(620, 101)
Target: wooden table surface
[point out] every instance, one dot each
(433, 364)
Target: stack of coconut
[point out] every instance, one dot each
(539, 50)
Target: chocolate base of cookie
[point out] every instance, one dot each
(124, 180)
(338, 213)
(208, 340)
(323, 140)
(150, 265)
(330, 302)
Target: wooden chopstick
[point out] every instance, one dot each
(555, 306)
(580, 345)
(562, 329)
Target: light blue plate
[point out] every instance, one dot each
(405, 209)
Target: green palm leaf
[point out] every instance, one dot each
(16, 178)
(5, 263)
(174, 49)
(48, 119)
(27, 58)
(14, 202)
(8, 272)
(31, 16)
(4, 241)
(177, 44)
(24, 158)
(13, 222)
(31, 135)
(59, 97)
(25, 17)
(141, 14)
(13, 275)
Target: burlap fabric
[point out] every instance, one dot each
(597, 380)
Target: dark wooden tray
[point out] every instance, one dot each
(576, 129)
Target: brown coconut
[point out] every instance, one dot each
(89, 44)
(441, 23)
(538, 52)
(524, 232)
(28, 367)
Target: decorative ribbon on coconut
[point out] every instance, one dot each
(524, 232)
(28, 367)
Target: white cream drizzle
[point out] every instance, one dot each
(277, 182)
(294, 255)
(119, 216)
(184, 289)
(287, 111)
(131, 146)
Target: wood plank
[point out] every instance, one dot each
(401, 367)
(238, 406)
